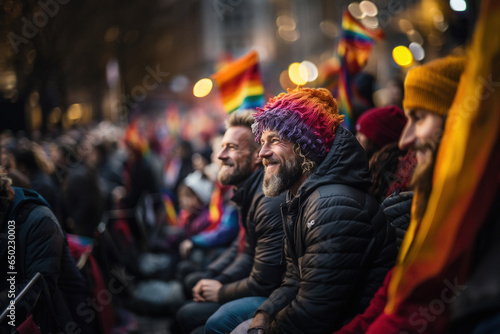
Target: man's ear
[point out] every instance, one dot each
(257, 160)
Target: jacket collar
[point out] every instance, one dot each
(346, 163)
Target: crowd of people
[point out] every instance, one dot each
(287, 223)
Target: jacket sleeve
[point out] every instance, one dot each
(225, 231)
(241, 266)
(336, 231)
(360, 323)
(283, 295)
(267, 271)
(224, 260)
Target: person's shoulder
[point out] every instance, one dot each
(330, 195)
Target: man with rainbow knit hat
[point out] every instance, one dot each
(337, 246)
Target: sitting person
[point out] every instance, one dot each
(337, 244)
(60, 296)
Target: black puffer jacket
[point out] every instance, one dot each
(257, 271)
(338, 245)
(40, 246)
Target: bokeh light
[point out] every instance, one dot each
(417, 51)
(402, 56)
(308, 71)
(203, 87)
(368, 8)
(294, 74)
(458, 5)
(355, 11)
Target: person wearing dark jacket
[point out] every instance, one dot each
(58, 301)
(256, 271)
(337, 244)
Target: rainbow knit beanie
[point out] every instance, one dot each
(306, 116)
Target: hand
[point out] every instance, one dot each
(260, 324)
(397, 209)
(210, 290)
(197, 291)
(185, 248)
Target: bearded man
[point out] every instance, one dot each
(338, 247)
(237, 282)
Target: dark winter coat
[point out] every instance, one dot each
(40, 246)
(338, 245)
(257, 270)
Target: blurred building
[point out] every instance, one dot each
(66, 63)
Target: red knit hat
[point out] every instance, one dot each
(382, 125)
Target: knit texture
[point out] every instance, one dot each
(306, 116)
(382, 125)
(432, 86)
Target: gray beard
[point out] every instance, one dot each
(284, 179)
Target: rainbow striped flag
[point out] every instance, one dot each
(240, 83)
(466, 176)
(171, 213)
(134, 136)
(354, 48)
(215, 207)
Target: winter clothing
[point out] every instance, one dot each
(40, 246)
(382, 125)
(200, 185)
(264, 233)
(337, 243)
(305, 116)
(225, 231)
(362, 322)
(432, 87)
(397, 209)
(256, 271)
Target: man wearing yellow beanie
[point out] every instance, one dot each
(429, 93)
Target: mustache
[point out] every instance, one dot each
(266, 162)
(427, 145)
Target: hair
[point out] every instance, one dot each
(308, 166)
(33, 158)
(422, 179)
(244, 119)
(383, 165)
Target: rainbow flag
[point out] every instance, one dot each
(215, 207)
(354, 48)
(466, 176)
(171, 213)
(240, 84)
(134, 136)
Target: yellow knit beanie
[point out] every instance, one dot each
(432, 86)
